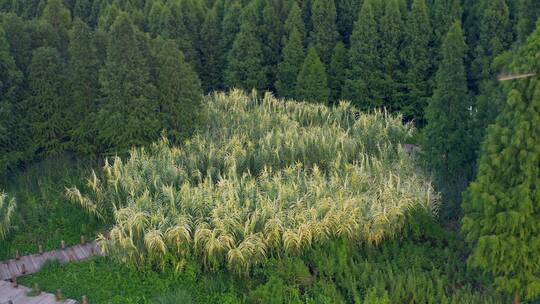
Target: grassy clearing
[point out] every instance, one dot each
(267, 178)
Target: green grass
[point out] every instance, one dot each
(423, 267)
(44, 215)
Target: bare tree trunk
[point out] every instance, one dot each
(517, 299)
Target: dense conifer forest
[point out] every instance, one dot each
(275, 151)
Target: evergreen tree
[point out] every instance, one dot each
(289, 67)
(418, 60)
(502, 206)
(58, 16)
(128, 116)
(337, 71)
(46, 104)
(495, 37)
(347, 11)
(445, 13)
(363, 80)
(312, 82)
(447, 134)
(211, 51)
(295, 21)
(180, 93)
(324, 35)
(528, 12)
(246, 61)
(159, 20)
(83, 10)
(83, 81)
(272, 30)
(11, 135)
(390, 44)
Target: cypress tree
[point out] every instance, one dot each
(83, 79)
(495, 37)
(159, 20)
(418, 60)
(58, 16)
(11, 135)
(295, 21)
(363, 80)
(390, 44)
(211, 51)
(272, 30)
(46, 104)
(180, 93)
(289, 67)
(347, 11)
(447, 140)
(528, 12)
(246, 61)
(324, 35)
(502, 206)
(337, 71)
(128, 116)
(312, 82)
(83, 10)
(445, 13)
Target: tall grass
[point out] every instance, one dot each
(7, 210)
(266, 178)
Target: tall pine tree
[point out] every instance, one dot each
(46, 103)
(289, 67)
(364, 75)
(11, 135)
(83, 72)
(246, 68)
(502, 206)
(180, 93)
(418, 61)
(312, 82)
(128, 116)
(337, 71)
(447, 134)
(324, 35)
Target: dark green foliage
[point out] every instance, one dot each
(289, 67)
(58, 16)
(528, 12)
(444, 14)
(447, 135)
(363, 82)
(324, 35)
(312, 82)
(347, 11)
(129, 115)
(83, 70)
(495, 37)
(11, 133)
(337, 71)
(502, 206)
(294, 21)
(418, 61)
(246, 68)
(179, 93)
(211, 51)
(46, 104)
(391, 39)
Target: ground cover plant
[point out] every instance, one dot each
(43, 214)
(266, 178)
(423, 265)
